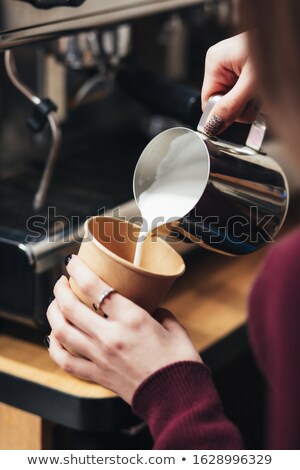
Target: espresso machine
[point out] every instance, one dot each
(85, 84)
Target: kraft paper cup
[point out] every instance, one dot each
(108, 248)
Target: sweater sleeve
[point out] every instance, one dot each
(274, 323)
(183, 410)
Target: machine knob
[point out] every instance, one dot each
(46, 4)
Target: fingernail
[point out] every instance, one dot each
(213, 126)
(47, 342)
(51, 298)
(68, 259)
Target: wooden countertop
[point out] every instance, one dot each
(210, 300)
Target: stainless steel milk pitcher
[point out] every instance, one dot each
(243, 194)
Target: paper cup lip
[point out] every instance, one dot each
(126, 263)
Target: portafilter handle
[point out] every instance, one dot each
(160, 95)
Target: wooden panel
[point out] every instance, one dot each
(19, 430)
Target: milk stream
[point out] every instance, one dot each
(179, 182)
(152, 203)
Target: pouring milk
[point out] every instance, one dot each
(174, 177)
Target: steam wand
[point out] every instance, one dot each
(43, 112)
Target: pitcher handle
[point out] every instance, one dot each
(257, 132)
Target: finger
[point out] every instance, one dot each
(115, 305)
(67, 334)
(77, 366)
(224, 63)
(215, 82)
(232, 105)
(220, 74)
(75, 311)
(167, 320)
(251, 112)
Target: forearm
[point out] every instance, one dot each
(183, 409)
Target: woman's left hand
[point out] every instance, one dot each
(118, 352)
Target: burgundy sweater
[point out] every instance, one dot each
(180, 402)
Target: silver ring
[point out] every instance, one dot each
(106, 293)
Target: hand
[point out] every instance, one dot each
(229, 71)
(118, 352)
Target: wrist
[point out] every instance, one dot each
(167, 387)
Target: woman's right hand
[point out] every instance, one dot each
(229, 71)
